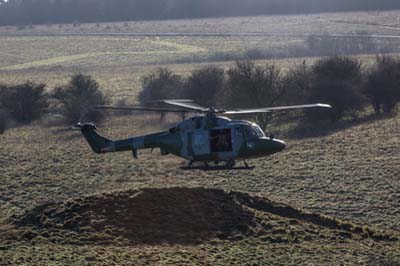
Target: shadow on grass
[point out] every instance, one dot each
(308, 129)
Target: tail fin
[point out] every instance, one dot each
(99, 144)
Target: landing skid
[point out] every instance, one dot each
(205, 166)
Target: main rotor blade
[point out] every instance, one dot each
(161, 110)
(189, 104)
(278, 108)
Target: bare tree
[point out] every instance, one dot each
(336, 81)
(26, 12)
(252, 86)
(162, 84)
(382, 84)
(78, 97)
(298, 83)
(205, 85)
(24, 102)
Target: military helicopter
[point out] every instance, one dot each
(209, 139)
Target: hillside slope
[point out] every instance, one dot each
(58, 199)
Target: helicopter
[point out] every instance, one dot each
(210, 139)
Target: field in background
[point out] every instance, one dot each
(119, 61)
(386, 22)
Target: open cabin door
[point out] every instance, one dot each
(221, 140)
(205, 142)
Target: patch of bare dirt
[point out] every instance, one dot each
(178, 216)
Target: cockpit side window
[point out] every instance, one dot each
(249, 132)
(258, 131)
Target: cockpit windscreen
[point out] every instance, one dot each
(257, 131)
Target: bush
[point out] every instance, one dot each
(78, 98)
(162, 84)
(205, 85)
(254, 86)
(336, 81)
(298, 83)
(382, 84)
(25, 102)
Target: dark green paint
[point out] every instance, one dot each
(172, 143)
(260, 147)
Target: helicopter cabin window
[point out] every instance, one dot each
(221, 140)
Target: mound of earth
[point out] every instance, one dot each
(178, 216)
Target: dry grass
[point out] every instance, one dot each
(351, 174)
(188, 226)
(119, 62)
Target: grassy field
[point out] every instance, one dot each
(118, 63)
(60, 204)
(53, 202)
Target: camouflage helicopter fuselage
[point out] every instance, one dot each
(206, 138)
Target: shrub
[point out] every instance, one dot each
(382, 84)
(298, 83)
(252, 86)
(336, 81)
(78, 98)
(25, 102)
(205, 85)
(162, 84)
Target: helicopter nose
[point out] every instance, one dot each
(278, 145)
(274, 145)
(271, 146)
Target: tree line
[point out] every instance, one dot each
(24, 103)
(26, 12)
(342, 82)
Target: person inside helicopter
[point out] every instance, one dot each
(221, 140)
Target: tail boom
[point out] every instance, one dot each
(100, 144)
